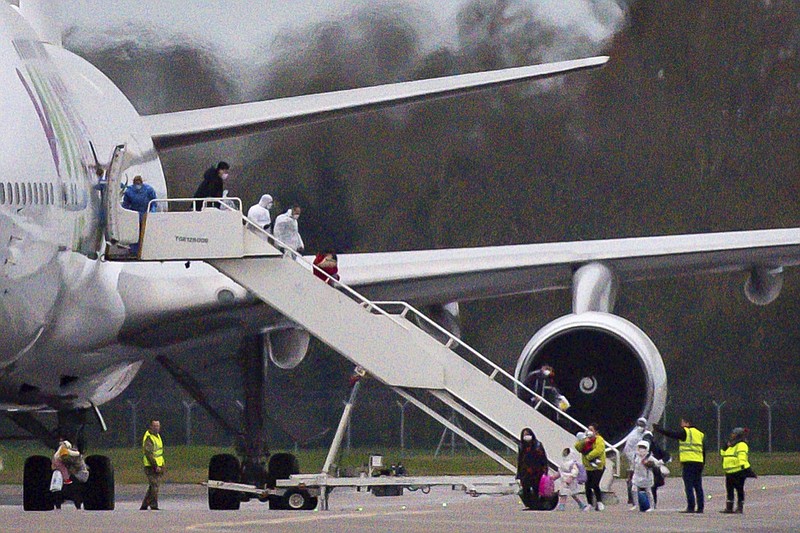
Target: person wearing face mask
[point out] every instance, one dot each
(287, 230)
(568, 473)
(137, 197)
(593, 452)
(643, 479)
(631, 441)
(259, 213)
(531, 466)
(542, 382)
(213, 184)
(658, 473)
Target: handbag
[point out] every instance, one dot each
(546, 486)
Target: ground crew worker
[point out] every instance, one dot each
(692, 453)
(153, 450)
(736, 464)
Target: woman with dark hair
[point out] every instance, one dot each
(593, 452)
(736, 464)
(531, 466)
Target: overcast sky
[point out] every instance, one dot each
(235, 26)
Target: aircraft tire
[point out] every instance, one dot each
(283, 465)
(36, 484)
(223, 467)
(99, 488)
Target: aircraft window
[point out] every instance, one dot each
(16, 194)
(29, 189)
(36, 193)
(2, 193)
(10, 194)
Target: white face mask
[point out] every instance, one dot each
(224, 175)
(589, 434)
(546, 373)
(527, 438)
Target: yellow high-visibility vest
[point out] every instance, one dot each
(691, 449)
(158, 449)
(735, 458)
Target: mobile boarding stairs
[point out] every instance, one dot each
(384, 338)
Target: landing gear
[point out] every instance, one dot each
(36, 484)
(224, 467)
(97, 494)
(98, 491)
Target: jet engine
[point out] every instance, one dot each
(764, 285)
(286, 344)
(447, 316)
(608, 369)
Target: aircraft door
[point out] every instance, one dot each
(122, 225)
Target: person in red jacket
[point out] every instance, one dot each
(328, 263)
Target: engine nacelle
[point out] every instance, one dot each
(286, 345)
(609, 370)
(764, 285)
(446, 316)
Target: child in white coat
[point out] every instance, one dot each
(568, 474)
(642, 480)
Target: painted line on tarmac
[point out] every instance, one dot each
(316, 516)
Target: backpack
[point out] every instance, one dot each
(581, 479)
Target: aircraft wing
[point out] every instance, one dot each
(183, 128)
(438, 276)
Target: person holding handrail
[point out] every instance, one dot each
(287, 230)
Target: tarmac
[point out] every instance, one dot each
(772, 504)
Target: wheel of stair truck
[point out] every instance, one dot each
(98, 492)
(300, 500)
(282, 466)
(36, 484)
(224, 467)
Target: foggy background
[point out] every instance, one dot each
(691, 127)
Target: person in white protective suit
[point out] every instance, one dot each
(259, 213)
(287, 230)
(631, 443)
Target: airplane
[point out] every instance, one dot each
(78, 326)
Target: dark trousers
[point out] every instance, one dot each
(693, 485)
(153, 480)
(735, 481)
(530, 491)
(630, 487)
(593, 486)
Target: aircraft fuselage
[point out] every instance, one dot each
(60, 305)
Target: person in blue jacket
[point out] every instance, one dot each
(137, 196)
